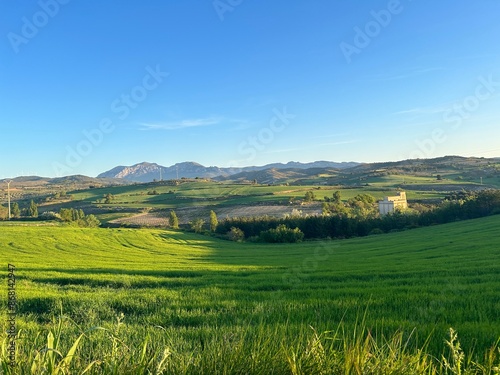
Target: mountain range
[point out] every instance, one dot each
(146, 172)
(463, 168)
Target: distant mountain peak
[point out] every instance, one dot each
(147, 172)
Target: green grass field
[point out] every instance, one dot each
(202, 192)
(205, 305)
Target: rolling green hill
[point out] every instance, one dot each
(199, 296)
(272, 191)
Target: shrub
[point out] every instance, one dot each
(78, 217)
(376, 231)
(48, 215)
(197, 225)
(173, 220)
(89, 221)
(282, 234)
(236, 234)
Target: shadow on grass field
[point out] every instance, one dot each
(213, 304)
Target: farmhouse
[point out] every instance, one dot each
(389, 204)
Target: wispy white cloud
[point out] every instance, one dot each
(407, 74)
(233, 124)
(419, 111)
(183, 124)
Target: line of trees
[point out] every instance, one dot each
(356, 218)
(78, 217)
(197, 225)
(17, 212)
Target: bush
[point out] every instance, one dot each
(48, 215)
(376, 231)
(173, 220)
(282, 234)
(78, 218)
(236, 234)
(197, 225)
(89, 221)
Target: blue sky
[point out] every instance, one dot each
(88, 85)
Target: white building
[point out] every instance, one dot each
(389, 204)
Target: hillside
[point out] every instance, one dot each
(255, 302)
(147, 172)
(35, 187)
(270, 191)
(456, 169)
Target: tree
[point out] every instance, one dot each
(335, 198)
(78, 217)
(90, 221)
(197, 225)
(77, 214)
(33, 209)
(108, 198)
(66, 214)
(363, 206)
(282, 234)
(16, 212)
(236, 234)
(335, 209)
(213, 221)
(173, 220)
(309, 197)
(4, 212)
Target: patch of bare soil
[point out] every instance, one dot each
(185, 215)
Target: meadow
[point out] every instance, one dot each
(192, 192)
(156, 301)
(194, 199)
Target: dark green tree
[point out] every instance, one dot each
(33, 209)
(173, 220)
(66, 214)
(309, 196)
(15, 210)
(363, 206)
(89, 221)
(336, 197)
(282, 234)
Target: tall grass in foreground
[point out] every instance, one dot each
(64, 349)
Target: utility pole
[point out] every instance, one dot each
(8, 195)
